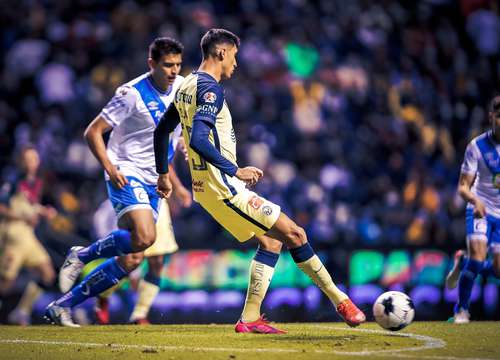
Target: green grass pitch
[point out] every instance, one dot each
(421, 340)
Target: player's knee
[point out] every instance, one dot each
(144, 238)
(296, 236)
(131, 261)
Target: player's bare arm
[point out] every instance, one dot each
(178, 190)
(464, 190)
(94, 137)
(166, 125)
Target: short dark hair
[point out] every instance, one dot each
(214, 37)
(495, 104)
(164, 46)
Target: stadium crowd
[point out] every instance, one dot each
(358, 111)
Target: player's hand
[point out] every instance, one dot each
(164, 187)
(117, 178)
(181, 146)
(184, 196)
(250, 175)
(48, 212)
(479, 209)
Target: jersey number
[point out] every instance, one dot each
(202, 165)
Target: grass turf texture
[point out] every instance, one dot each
(478, 340)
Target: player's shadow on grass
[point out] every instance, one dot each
(309, 338)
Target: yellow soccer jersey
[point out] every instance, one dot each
(202, 96)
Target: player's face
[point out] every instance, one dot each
(166, 68)
(229, 62)
(30, 161)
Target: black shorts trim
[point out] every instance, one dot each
(245, 216)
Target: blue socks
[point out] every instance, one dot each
(266, 257)
(101, 278)
(152, 278)
(466, 281)
(117, 243)
(302, 253)
(486, 271)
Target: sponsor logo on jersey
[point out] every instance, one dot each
(267, 210)
(255, 202)
(152, 105)
(197, 186)
(183, 97)
(207, 109)
(480, 226)
(209, 97)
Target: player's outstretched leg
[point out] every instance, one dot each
(117, 243)
(471, 269)
(148, 289)
(120, 242)
(459, 260)
(303, 254)
(100, 279)
(260, 275)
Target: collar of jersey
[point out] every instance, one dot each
(205, 73)
(157, 89)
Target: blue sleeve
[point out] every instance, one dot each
(200, 143)
(209, 101)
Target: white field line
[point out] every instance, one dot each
(429, 343)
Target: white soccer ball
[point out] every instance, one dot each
(393, 310)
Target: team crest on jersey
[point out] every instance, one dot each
(210, 97)
(267, 210)
(152, 105)
(255, 202)
(496, 181)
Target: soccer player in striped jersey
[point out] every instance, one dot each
(479, 186)
(129, 164)
(220, 186)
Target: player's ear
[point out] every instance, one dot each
(221, 54)
(151, 63)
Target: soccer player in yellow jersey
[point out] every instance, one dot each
(220, 186)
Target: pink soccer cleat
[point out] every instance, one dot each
(101, 310)
(259, 326)
(350, 313)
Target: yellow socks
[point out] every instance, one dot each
(314, 268)
(259, 280)
(146, 293)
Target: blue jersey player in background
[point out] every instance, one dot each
(479, 186)
(129, 163)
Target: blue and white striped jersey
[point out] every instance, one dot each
(133, 112)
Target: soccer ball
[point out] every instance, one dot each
(393, 310)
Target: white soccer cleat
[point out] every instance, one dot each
(454, 274)
(462, 317)
(70, 270)
(59, 315)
